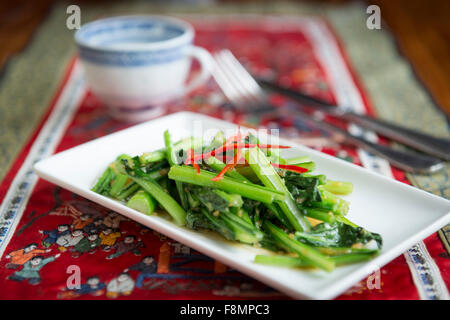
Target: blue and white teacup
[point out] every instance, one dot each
(136, 64)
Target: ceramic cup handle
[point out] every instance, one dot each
(206, 66)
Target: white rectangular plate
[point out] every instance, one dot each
(403, 215)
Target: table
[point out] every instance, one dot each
(413, 108)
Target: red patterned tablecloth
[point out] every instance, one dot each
(302, 53)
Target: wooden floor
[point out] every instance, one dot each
(422, 29)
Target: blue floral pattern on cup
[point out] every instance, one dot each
(132, 32)
(131, 58)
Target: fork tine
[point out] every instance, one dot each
(233, 80)
(237, 84)
(235, 77)
(225, 84)
(249, 84)
(228, 86)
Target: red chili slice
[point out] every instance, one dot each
(290, 167)
(229, 166)
(236, 158)
(190, 160)
(225, 148)
(236, 138)
(194, 163)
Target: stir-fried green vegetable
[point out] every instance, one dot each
(246, 192)
(143, 202)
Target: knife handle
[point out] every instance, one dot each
(435, 146)
(407, 161)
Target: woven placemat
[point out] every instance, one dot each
(31, 78)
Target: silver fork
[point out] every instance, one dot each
(246, 95)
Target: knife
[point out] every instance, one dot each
(420, 141)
